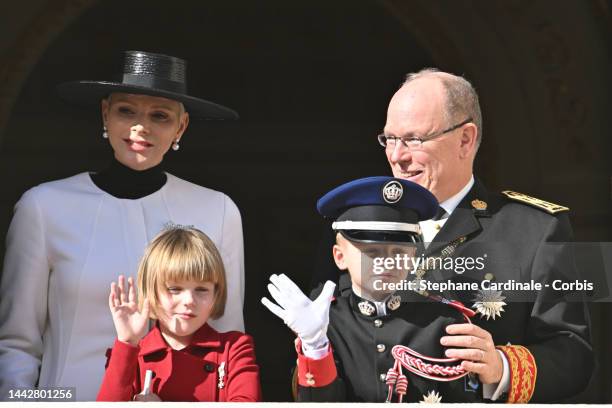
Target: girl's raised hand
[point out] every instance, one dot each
(130, 323)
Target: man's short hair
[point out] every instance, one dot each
(461, 97)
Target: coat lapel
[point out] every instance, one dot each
(462, 222)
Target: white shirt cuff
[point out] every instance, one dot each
(315, 354)
(494, 391)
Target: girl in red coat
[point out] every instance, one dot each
(181, 284)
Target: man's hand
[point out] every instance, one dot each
(478, 352)
(308, 319)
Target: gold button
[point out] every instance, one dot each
(437, 226)
(489, 276)
(381, 348)
(378, 323)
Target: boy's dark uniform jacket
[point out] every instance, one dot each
(545, 338)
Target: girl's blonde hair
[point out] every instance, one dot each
(181, 253)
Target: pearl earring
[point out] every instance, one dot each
(175, 145)
(105, 133)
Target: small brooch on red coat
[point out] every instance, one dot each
(221, 371)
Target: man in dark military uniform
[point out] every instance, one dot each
(540, 335)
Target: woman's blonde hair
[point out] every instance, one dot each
(181, 253)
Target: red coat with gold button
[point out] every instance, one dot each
(191, 374)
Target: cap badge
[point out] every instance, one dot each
(393, 191)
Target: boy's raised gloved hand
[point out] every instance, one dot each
(308, 319)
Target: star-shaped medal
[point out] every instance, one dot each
(431, 398)
(489, 303)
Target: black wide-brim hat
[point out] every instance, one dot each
(147, 73)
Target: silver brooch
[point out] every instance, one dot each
(172, 226)
(489, 303)
(393, 191)
(366, 308)
(394, 302)
(221, 371)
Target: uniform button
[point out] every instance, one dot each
(489, 276)
(383, 377)
(381, 348)
(378, 323)
(209, 367)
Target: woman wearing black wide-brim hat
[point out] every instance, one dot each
(70, 238)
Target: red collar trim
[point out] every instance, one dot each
(205, 337)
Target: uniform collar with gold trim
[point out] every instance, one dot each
(465, 218)
(373, 308)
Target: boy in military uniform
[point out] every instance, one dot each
(375, 344)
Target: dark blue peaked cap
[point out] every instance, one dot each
(382, 191)
(378, 209)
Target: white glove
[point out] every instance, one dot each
(307, 318)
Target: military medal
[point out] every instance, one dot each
(430, 263)
(489, 303)
(450, 248)
(432, 397)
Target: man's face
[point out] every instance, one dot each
(442, 165)
(369, 277)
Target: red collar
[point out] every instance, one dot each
(205, 337)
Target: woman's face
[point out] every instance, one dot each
(141, 128)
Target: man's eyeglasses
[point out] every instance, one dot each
(416, 142)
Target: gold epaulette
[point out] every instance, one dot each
(550, 208)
